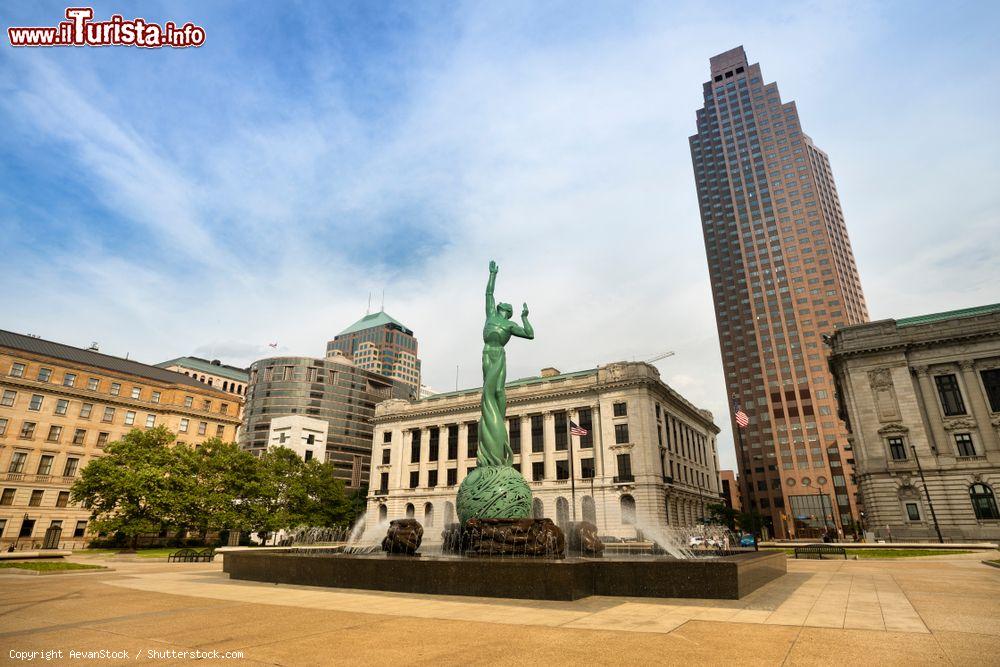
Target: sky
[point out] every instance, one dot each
(212, 200)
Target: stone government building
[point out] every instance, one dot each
(649, 459)
(924, 388)
(61, 405)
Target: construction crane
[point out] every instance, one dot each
(659, 357)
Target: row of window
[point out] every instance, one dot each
(984, 504)
(55, 433)
(37, 401)
(45, 464)
(18, 370)
(8, 495)
(950, 394)
(964, 447)
(28, 527)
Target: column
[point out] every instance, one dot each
(549, 438)
(401, 462)
(463, 437)
(929, 406)
(981, 411)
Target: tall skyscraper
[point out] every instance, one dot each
(783, 275)
(380, 344)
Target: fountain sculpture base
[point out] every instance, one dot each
(529, 538)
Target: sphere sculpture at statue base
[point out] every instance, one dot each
(493, 492)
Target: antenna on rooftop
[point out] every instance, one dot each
(662, 355)
(93, 347)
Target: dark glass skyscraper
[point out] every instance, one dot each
(783, 275)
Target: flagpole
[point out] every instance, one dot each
(572, 467)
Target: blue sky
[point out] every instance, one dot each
(209, 201)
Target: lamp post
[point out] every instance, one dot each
(18, 538)
(927, 493)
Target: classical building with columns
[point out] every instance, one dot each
(921, 397)
(648, 459)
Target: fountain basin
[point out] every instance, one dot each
(726, 577)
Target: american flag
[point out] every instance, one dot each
(742, 420)
(576, 429)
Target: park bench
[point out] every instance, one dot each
(820, 550)
(191, 556)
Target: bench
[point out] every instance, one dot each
(820, 550)
(192, 556)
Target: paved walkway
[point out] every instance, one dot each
(940, 610)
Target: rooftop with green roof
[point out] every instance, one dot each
(948, 315)
(372, 320)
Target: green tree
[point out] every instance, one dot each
(722, 515)
(131, 489)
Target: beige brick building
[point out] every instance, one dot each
(924, 390)
(61, 405)
(649, 459)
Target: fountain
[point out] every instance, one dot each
(497, 549)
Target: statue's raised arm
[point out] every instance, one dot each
(491, 305)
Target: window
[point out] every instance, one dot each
(150, 421)
(912, 512)
(991, 382)
(93, 384)
(202, 428)
(55, 432)
(514, 424)
(79, 436)
(627, 504)
(414, 478)
(562, 469)
(951, 396)
(415, 447)
(44, 374)
(27, 430)
(45, 464)
(85, 410)
(386, 456)
(621, 433)
(136, 392)
(984, 503)
(537, 442)
(129, 418)
(206, 406)
(473, 440)
(109, 415)
(62, 405)
(537, 471)
(561, 428)
(452, 476)
(897, 449)
(36, 498)
(81, 529)
(8, 398)
(155, 398)
(17, 370)
(188, 401)
(432, 478)
(116, 388)
(36, 402)
(963, 441)
(62, 499)
(586, 422)
(452, 442)
(587, 468)
(69, 379)
(620, 409)
(624, 468)
(433, 444)
(7, 497)
(3, 425)
(102, 438)
(71, 465)
(309, 455)
(183, 428)
(221, 429)
(387, 437)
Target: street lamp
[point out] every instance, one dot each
(927, 494)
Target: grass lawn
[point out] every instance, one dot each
(49, 566)
(887, 553)
(154, 552)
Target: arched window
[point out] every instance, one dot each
(984, 503)
(537, 509)
(409, 510)
(562, 513)
(628, 510)
(383, 513)
(589, 510)
(449, 513)
(428, 515)
(225, 385)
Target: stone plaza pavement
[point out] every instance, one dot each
(936, 610)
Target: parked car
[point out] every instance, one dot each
(696, 541)
(748, 541)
